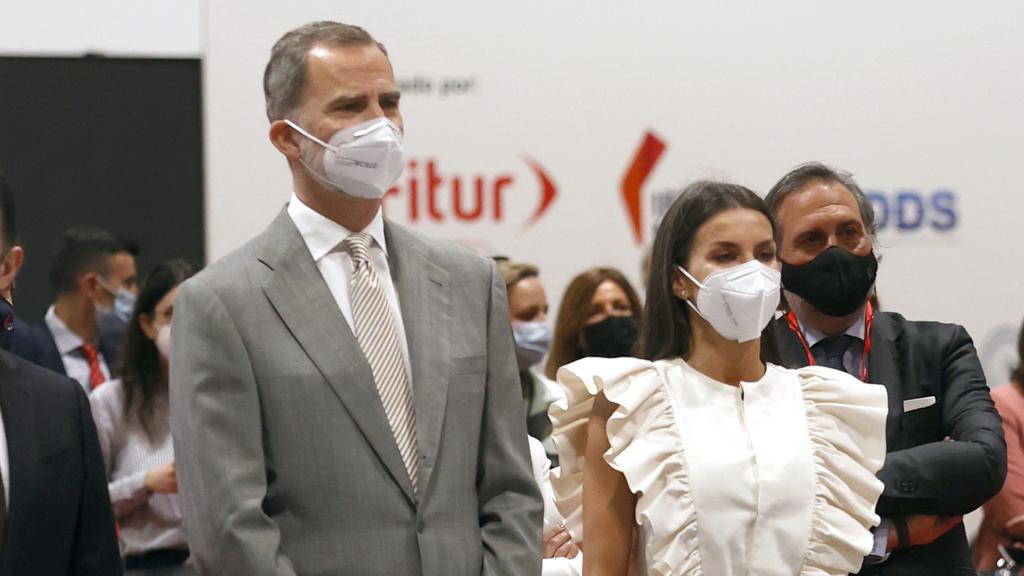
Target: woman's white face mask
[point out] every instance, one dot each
(738, 302)
(163, 341)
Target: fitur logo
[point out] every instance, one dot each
(639, 170)
(429, 194)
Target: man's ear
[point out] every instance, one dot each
(10, 266)
(284, 138)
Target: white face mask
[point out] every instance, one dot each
(363, 160)
(163, 341)
(738, 302)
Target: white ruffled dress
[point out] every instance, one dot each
(774, 477)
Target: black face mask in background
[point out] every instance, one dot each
(836, 282)
(6, 324)
(612, 337)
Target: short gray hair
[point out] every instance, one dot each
(284, 79)
(802, 175)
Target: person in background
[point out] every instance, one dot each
(132, 421)
(946, 454)
(69, 340)
(698, 457)
(113, 323)
(597, 317)
(528, 314)
(562, 555)
(55, 516)
(1006, 510)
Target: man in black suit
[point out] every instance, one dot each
(55, 515)
(946, 452)
(72, 339)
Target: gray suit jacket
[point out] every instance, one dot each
(285, 460)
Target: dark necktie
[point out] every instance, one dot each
(829, 352)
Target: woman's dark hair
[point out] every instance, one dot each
(142, 373)
(665, 326)
(574, 310)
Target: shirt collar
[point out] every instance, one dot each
(322, 235)
(66, 340)
(814, 336)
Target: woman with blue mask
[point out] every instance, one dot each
(528, 315)
(698, 457)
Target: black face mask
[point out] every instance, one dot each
(836, 282)
(6, 324)
(612, 337)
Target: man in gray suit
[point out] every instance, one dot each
(344, 396)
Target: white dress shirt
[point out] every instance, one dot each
(323, 238)
(5, 463)
(69, 345)
(146, 521)
(552, 518)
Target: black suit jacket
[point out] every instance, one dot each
(922, 473)
(35, 343)
(59, 519)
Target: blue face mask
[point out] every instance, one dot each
(532, 342)
(124, 305)
(6, 324)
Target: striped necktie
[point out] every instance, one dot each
(378, 337)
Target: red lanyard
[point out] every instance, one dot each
(869, 316)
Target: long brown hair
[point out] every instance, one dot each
(574, 311)
(665, 327)
(141, 372)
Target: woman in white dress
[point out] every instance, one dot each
(699, 458)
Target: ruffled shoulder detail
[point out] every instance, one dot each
(846, 422)
(644, 445)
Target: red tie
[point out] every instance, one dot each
(96, 376)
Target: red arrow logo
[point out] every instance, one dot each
(643, 164)
(548, 192)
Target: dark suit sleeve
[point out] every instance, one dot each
(96, 551)
(951, 478)
(510, 504)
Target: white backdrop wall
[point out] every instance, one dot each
(920, 99)
(126, 28)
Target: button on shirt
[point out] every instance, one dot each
(323, 238)
(69, 345)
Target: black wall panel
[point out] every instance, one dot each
(109, 142)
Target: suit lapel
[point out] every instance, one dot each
(48, 356)
(19, 419)
(423, 294)
(791, 351)
(884, 367)
(302, 299)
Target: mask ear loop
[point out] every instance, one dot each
(687, 300)
(299, 129)
(323, 181)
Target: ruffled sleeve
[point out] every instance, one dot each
(846, 422)
(645, 447)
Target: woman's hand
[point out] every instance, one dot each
(162, 479)
(558, 543)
